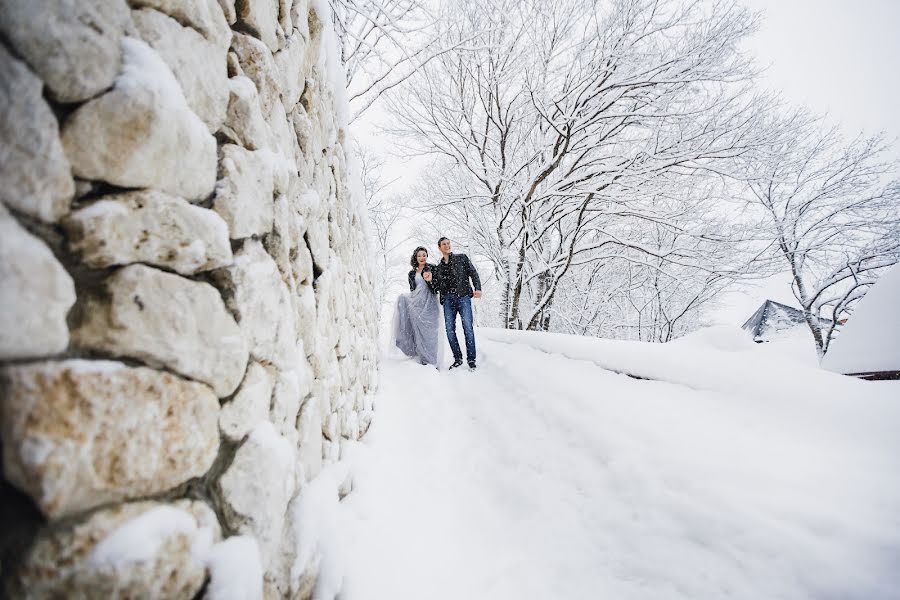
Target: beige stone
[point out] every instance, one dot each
(209, 17)
(260, 17)
(255, 489)
(37, 179)
(289, 62)
(257, 63)
(149, 227)
(36, 294)
(78, 434)
(250, 404)
(73, 45)
(244, 122)
(258, 296)
(244, 191)
(166, 320)
(142, 133)
(198, 64)
(89, 559)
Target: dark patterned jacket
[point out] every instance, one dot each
(453, 276)
(432, 285)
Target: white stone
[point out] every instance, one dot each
(209, 17)
(198, 64)
(36, 294)
(244, 122)
(250, 405)
(78, 434)
(291, 389)
(289, 62)
(229, 11)
(149, 227)
(260, 17)
(166, 320)
(142, 133)
(90, 558)
(257, 63)
(73, 45)
(255, 489)
(309, 426)
(258, 296)
(244, 192)
(36, 175)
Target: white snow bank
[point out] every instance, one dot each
(736, 474)
(870, 340)
(235, 570)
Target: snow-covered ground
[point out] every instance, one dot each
(733, 470)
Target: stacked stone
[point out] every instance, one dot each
(188, 329)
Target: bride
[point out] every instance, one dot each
(417, 314)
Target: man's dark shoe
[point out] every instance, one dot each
(456, 363)
(471, 366)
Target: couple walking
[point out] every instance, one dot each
(417, 314)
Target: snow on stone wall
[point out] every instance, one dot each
(188, 329)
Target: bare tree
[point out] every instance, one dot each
(830, 212)
(566, 120)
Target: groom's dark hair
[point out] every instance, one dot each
(442, 239)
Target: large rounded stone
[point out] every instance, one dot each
(36, 294)
(149, 227)
(142, 133)
(36, 176)
(244, 122)
(73, 45)
(198, 64)
(257, 63)
(206, 16)
(77, 434)
(250, 404)
(289, 62)
(166, 320)
(260, 17)
(255, 489)
(244, 192)
(258, 296)
(146, 550)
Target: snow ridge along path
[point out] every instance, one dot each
(731, 472)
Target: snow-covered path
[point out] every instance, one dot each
(542, 476)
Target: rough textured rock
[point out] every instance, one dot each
(36, 294)
(198, 64)
(244, 122)
(149, 227)
(206, 16)
(77, 434)
(244, 192)
(255, 489)
(258, 296)
(296, 292)
(142, 133)
(289, 63)
(73, 45)
(36, 176)
(250, 404)
(260, 17)
(87, 559)
(166, 320)
(309, 427)
(257, 63)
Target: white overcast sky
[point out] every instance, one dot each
(836, 56)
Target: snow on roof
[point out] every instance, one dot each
(870, 340)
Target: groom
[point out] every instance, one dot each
(453, 274)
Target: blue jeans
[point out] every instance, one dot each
(463, 305)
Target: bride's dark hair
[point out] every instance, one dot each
(413, 262)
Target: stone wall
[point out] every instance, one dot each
(187, 331)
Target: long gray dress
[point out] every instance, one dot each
(417, 321)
